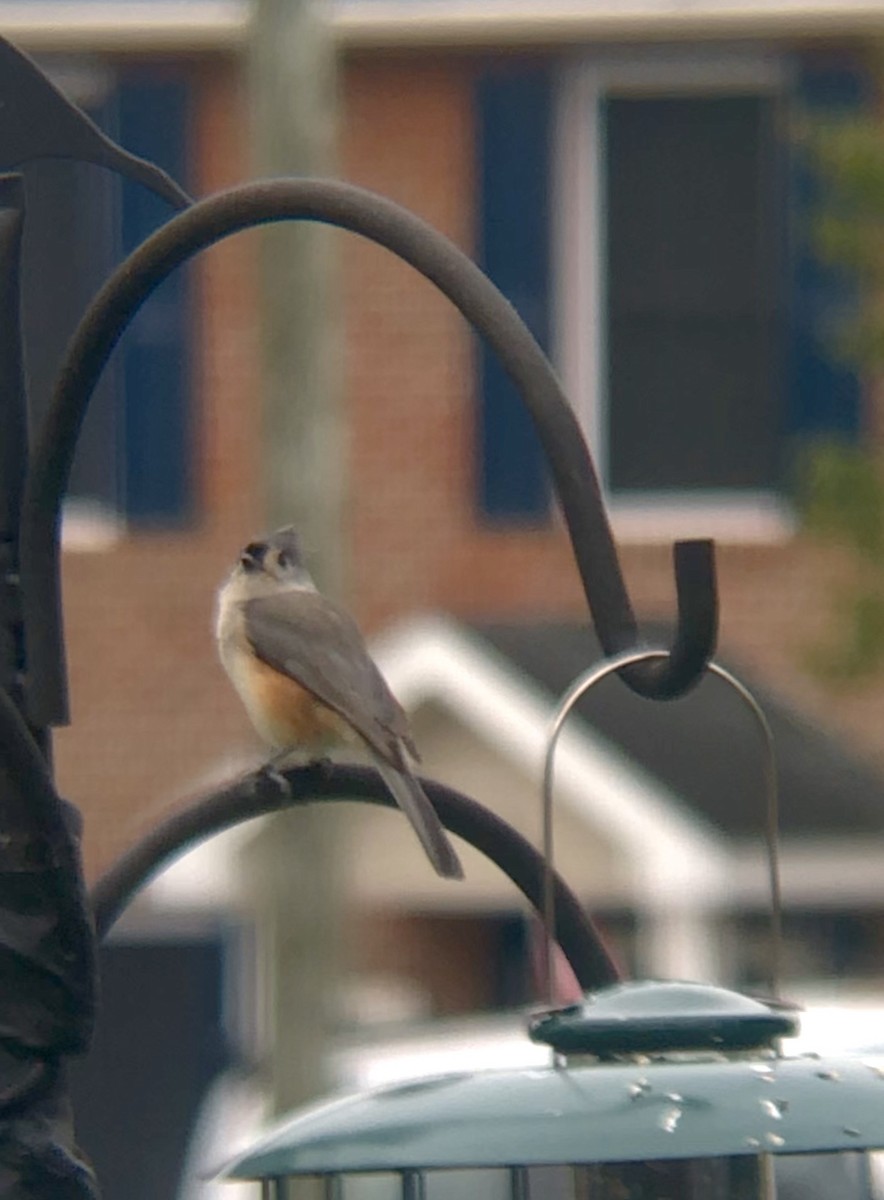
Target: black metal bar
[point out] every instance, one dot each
(520, 1187)
(47, 964)
(260, 793)
(47, 943)
(13, 422)
(480, 302)
(334, 1187)
(412, 1185)
(41, 840)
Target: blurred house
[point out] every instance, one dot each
(625, 172)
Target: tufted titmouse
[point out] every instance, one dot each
(302, 670)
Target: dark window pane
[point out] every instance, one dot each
(153, 109)
(695, 236)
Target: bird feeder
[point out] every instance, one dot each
(654, 1091)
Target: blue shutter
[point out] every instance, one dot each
(156, 482)
(825, 392)
(513, 121)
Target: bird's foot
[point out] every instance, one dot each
(273, 772)
(323, 765)
(270, 778)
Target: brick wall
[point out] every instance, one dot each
(415, 540)
(451, 960)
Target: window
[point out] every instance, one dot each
(694, 285)
(648, 217)
(695, 321)
(133, 459)
(673, 286)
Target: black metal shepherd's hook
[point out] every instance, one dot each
(491, 315)
(47, 941)
(38, 121)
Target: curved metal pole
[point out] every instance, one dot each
(480, 302)
(260, 793)
(576, 692)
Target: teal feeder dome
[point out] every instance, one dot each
(668, 1091)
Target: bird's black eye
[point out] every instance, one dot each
(252, 557)
(284, 559)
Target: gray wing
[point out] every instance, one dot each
(307, 637)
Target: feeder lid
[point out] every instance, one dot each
(608, 1112)
(658, 1017)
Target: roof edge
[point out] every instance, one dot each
(496, 23)
(97, 26)
(433, 657)
(365, 25)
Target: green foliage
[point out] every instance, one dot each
(848, 152)
(841, 496)
(841, 487)
(858, 651)
(848, 226)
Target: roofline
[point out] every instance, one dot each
(434, 658)
(389, 24)
(99, 26)
(819, 872)
(170, 26)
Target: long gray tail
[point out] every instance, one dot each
(414, 802)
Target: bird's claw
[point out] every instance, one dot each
(322, 765)
(269, 777)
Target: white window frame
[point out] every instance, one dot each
(579, 263)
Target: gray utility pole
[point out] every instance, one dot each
(293, 93)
